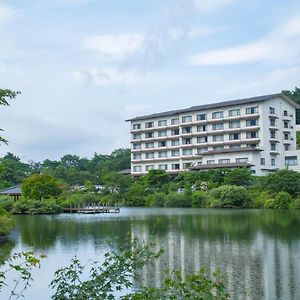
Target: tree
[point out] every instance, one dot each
(241, 177)
(284, 181)
(5, 96)
(41, 186)
(116, 182)
(156, 178)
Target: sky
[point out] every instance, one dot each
(85, 66)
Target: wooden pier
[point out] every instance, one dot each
(92, 209)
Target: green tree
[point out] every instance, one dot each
(116, 182)
(5, 96)
(41, 186)
(156, 178)
(135, 196)
(284, 181)
(241, 177)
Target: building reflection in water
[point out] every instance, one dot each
(258, 266)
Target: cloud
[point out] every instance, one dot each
(115, 46)
(281, 44)
(106, 76)
(208, 5)
(7, 13)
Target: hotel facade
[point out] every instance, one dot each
(258, 133)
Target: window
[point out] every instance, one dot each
(186, 119)
(137, 156)
(253, 122)
(162, 133)
(242, 160)
(234, 136)
(218, 126)
(174, 142)
(224, 161)
(137, 168)
(291, 160)
(163, 167)
(162, 123)
(235, 146)
(252, 135)
(162, 154)
(136, 136)
(210, 162)
(136, 126)
(201, 117)
(175, 121)
(234, 124)
(202, 150)
(272, 110)
(218, 138)
(187, 141)
(149, 135)
(186, 130)
(175, 153)
(286, 124)
(202, 139)
(149, 145)
(285, 113)
(149, 124)
(187, 152)
(272, 122)
(149, 167)
(262, 161)
(273, 134)
(286, 136)
(286, 147)
(137, 146)
(217, 115)
(273, 162)
(201, 128)
(251, 110)
(149, 155)
(175, 132)
(162, 144)
(218, 148)
(234, 112)
(175, 166)
(251, 145)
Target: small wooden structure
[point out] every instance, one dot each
(14, 191)
(91, 209)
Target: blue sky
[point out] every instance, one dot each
(84, 66)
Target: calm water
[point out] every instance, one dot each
(259, 250)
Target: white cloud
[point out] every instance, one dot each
(208, 5)
(7, 13)
(106, 76)
(115, 46)
(281, 45)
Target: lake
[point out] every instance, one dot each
(258, 250)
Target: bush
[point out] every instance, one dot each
(135, 196)
(295, 203)
(284, 181)
(230, 196)
(156, 200)
(177, 200)
(199, 199)
(6, 222)
(283, 200)
(240, 177)
(7, 203)
(36, 207)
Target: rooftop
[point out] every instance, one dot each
(216, 105)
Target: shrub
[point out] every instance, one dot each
(7, 202)
(156, 200)
(199, 199)
(36, 207)
(230, 196)
(284, 181)
(177, 200)
(282, 200)
(240, 177)
(295, 203)
(6, 222)
(135, 196)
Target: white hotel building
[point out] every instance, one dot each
(258, 133)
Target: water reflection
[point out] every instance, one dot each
(259, 250)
